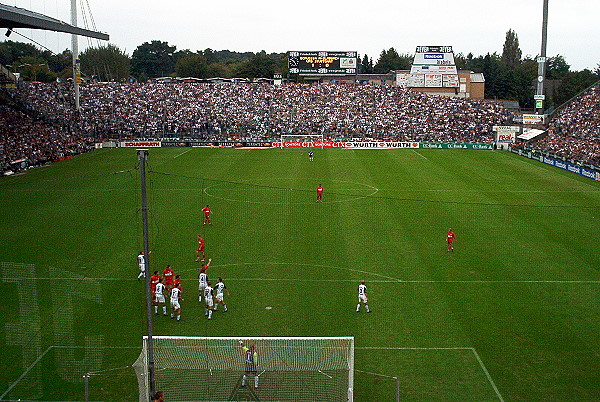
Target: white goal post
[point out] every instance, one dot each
(216, 369)
(305, 138)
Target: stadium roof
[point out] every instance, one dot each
(14, 17)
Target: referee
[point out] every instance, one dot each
(250, 360)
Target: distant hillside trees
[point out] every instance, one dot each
(105, 63)
(508, 75)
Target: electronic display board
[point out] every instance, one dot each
(322, 63)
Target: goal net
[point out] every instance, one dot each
(305, 140)
(216, 369)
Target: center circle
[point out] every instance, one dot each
(213, 190)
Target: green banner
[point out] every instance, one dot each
(456, 145)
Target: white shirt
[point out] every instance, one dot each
(208, 292)
(362, 290)
(203, 278)
(160, 287)
(141, 259)
(220, 286)
(175, 293)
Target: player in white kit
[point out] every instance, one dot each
(220, 288)
(208, 299)
(159, 297)
(175, 299)
(362, 296)
(203, 279)
(142, 263)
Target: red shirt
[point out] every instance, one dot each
(451, 236)
(200, 243)
(320, 190)
(206, 211)
(168, 274)
(153, 281)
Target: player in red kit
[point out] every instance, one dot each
(154, 280)
(320, 193)
(207, 213)
(200, 249)
(450, 237)
(168, 276)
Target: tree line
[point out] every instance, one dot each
(508, 75)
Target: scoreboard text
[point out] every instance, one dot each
(322, 63)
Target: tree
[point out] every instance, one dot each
(572, 84)
(366, 65)
(511, 53)
(11, 52)
(61, 63)
(218, 70)
(107, 63)
(34, 68)
(557, 68)
(261, 65)
(153, 59)
(390, 60)
(193, 65)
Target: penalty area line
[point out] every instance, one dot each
(481, 364)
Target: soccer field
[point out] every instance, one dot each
(512, 314)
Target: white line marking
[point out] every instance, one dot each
(407, 348)
(14, 384)
(303, 264)
(420, 155)
(379, 375)
(183, 153)
(390, 280)
(326, 375)
(375, 191)
(487, 374)
(485, 371)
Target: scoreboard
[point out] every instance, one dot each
(322, 63)
(433, 67)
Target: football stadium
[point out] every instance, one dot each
(320, 234)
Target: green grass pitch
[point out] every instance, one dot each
(512, 314)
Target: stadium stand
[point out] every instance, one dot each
(251, 112)
(574, 132)
(28, 142)
(262, 111)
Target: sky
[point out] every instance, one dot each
(469, 26)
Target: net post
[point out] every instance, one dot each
(142, 158)
(397, 388)
(86, 380)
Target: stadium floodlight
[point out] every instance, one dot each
(302, 141)
(283, 369)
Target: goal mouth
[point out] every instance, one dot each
(248, 368)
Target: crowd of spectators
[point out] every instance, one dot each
(264, 111)
(28, 142)
(248, 111)
(574, 133)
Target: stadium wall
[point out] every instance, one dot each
(580, 170)
(305, 144)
